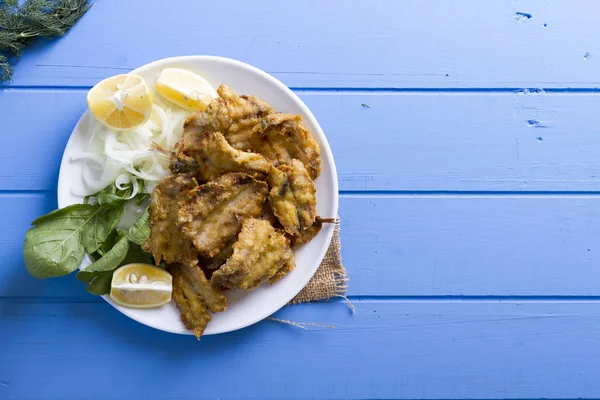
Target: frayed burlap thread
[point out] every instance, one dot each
(331, 279)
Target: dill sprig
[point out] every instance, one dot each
(45, 18)
(5, 69)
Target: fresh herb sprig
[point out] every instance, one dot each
(56, 244)
(19, 24)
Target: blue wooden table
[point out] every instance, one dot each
(467, 140)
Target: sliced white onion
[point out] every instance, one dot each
(123, 181)
(143, 132)
(135, 190)
(177, 129)
(146, 176)
(124, 157)
(109, 174)
(83, 155)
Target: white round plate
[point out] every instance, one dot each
(243, 308)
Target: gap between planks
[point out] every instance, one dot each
(355, 91)
(466, 193)
(392, 193)
(357, 299)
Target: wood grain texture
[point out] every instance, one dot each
(409, 246)
(466, 350)
(341, 43)
(381, 142)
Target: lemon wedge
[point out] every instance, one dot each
(121, 102)
(184, 88)
(141, 286)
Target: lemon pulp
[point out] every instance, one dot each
(185, 88)
(121, 102)
(141, 286)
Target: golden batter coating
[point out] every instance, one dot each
(214, 157)
(193, 312)
(246, 112)
(215, 301)
(213, 214)
(215, 141)
(166, 242)
(215, 262)
(232, 115)
(309, 233)
(293, 197)
(261, 253)
(195, 297)
(268, 215)
(283, 137)
(283, 271)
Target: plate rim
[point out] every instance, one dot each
(325, 153)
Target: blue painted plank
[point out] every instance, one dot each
(410, 246)
(405, 142)
(35, 129)
(388, 349)
(340, 43)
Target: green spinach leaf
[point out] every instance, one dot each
(99, 227)
(140, 198)
(112, 258)
(136, 255)
(98, 283)
(108, 244)
(112, 197)
(140, 230)
(53, 247)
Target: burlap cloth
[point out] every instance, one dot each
(331, 279)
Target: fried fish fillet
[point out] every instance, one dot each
(179, 163)
(166, 242)
(213, 214)
(283, 137)
(283, 271)
(215, 301)
(195, 297)
(309, 233)
(212, 156)
(268, 215)
(261, 253)
(245, 113)
(215, 262)
(216, 141)
(293, 197)
(232, 115)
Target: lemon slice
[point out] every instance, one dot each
(141, 286)
(184, 88)
(121, 102)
